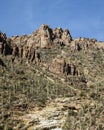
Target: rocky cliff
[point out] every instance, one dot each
(29, 47)
(50, 81)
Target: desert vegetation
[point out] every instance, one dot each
(62, 76)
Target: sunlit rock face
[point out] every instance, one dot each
(25, 46)
(45, 36)
(66, 37)
(62, 36)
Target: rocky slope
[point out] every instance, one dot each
(50, 81)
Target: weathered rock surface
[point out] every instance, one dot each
(85, 44)
(5, 45)
(45, 37)
(52, 117)
(61, 37)
(24, 46)
(55, 69)
(60, 66)
(28, 47)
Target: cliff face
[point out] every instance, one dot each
(45, 37)
(29, 47)
(48, 80)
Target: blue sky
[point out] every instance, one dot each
(84, 18)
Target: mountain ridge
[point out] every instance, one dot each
(48, 80)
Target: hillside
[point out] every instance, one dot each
(50, 81)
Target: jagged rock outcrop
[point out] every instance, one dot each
(48, 64)
(60, 66)
(85, 44)
(57, 66)
(66, 37)
(5, 46)
(45, 37)
(62, 37)
(3, 37)
(25, 47)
